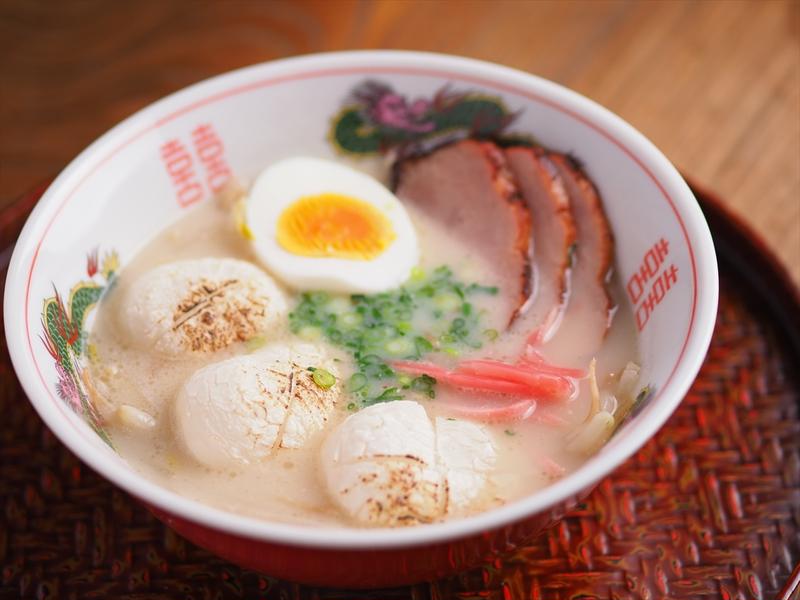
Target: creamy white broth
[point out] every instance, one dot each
(288, 486)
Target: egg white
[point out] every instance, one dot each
(285, 182)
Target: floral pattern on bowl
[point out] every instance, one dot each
(377, 119)
(65, 336)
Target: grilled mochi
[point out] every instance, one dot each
(243, 409)
(389, 465)
(201, 306)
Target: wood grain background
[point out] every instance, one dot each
(715, 84)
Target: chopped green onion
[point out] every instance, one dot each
(318, 297)
(446, 338)
(389, 394)
(371, 359)
(431, 312)
(474, 287)
(350, 319)
(356, 382)
(442, 272)
(448, 301)
(373, 336)
(324, 379)
(338, 305)
(422, 345)
(417, 274)
(399, 346)
(424, 384)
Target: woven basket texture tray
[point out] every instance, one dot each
(710, 508)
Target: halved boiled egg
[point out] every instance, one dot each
(317, 224)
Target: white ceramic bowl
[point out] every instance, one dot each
(145, 172)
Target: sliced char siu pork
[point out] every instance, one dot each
(553, 233)
(467, 186)
(589, 308)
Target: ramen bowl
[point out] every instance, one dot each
(151, 168)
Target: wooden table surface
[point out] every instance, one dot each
(715, 84)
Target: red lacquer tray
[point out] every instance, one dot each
(710, 508)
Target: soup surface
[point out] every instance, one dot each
(289, 484)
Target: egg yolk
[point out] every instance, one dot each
(334, 226)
